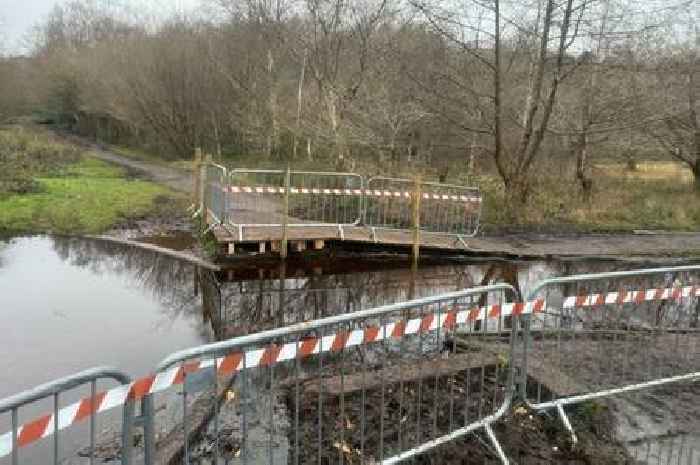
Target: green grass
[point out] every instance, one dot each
(77, 195)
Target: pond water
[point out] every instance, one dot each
(72, 304)
(68, 306)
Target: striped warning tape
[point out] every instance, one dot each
(625, 296)
(352, 192)
(308, 346)
(263, 357)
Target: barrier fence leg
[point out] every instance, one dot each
(496, 445)
(567, 424)
(149, 438)
(128, 432)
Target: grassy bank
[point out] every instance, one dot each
(49, 186)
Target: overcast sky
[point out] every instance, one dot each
(18, 16)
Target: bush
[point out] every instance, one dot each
(25, 156)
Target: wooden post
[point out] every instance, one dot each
(416, 220)
(203, 167)
(196, 176)
(285, 225)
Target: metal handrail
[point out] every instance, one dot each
(223, 347)
(60, 385)
(570, 400)
(608, 275)
(54, 389)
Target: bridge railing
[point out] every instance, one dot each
(390, 203)
(275, 198)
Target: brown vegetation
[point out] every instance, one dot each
(514, 89)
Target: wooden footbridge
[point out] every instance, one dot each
(281, 211)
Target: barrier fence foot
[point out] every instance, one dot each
(567, 424)
(496, 445)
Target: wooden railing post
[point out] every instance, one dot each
(203, 186)
(197, 178)
(285, 225)
(416, 220)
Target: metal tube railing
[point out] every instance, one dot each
(255, 198)
(53, 390)
(580, 318)
(406, 334)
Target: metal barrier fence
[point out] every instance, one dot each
(215, 192)
(294, 198)
(247, 198)
(392, 382)
(63, 418)
(370, 386)
(444, 208)
(601, 335)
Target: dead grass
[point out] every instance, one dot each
(619, 203)
(648, 171)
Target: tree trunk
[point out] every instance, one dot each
(273, 135)
(582, 170)
(696, 174)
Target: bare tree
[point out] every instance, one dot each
(526, 61)
(677, 82)
(338, 40)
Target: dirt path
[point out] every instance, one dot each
(176, 179)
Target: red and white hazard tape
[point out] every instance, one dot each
(625, 297)
(351, 192)
(273, 354)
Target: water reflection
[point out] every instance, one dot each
(250, 304)
(90, 303)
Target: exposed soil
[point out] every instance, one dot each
(527, 438)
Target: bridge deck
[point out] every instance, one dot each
(355, 234)
(518, 246)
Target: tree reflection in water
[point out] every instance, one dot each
(170, 280)
(236, 308)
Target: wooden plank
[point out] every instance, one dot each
(404, 371)
(161, 250)
(319, 244)
(553, 379)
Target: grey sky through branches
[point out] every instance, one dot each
(17, 17)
